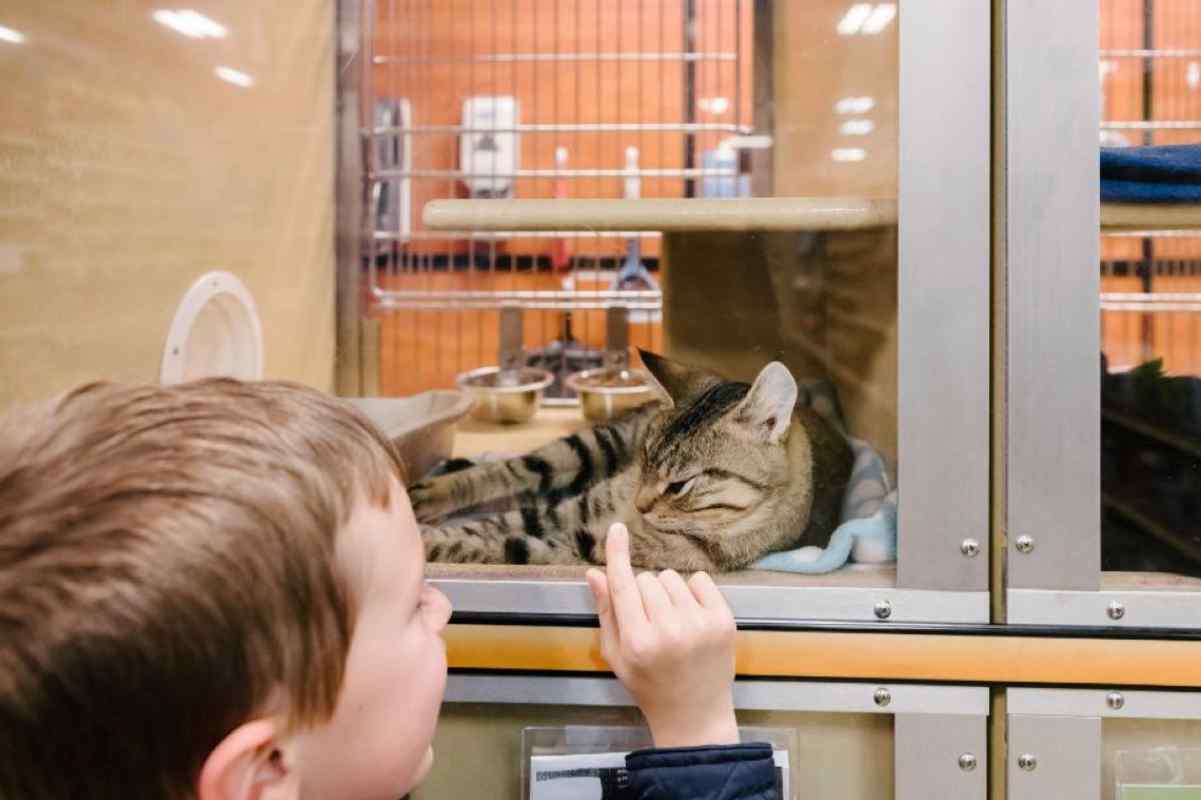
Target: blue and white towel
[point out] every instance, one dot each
(868, 531)
(1161, 174)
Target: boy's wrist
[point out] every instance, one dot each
(717, 729)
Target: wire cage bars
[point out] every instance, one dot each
(536, 99)
(1150, 78)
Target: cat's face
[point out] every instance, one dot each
(714, 461)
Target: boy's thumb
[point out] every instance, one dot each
(599, 585)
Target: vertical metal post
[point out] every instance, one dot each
(349, 200)
(1054, 757)
(944, 332)
(1053, 344)
(940, 755)
(689, 17)
(763, 110)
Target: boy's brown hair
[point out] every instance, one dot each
(167, 573)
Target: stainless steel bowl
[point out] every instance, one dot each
(605, 393)
(497, 400)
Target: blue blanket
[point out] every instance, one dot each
(1164, 174)
(868, 531)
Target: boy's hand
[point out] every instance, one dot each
(671, 643)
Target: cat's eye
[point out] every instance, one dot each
(679, 487)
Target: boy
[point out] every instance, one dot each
(215, 590)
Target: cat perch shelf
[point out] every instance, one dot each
(667, 215)
(1139, 218)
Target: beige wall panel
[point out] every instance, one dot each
(128, 169)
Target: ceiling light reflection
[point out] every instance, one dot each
(237, 78)
(855, 105)
(848, 154)
(11, 36)
(190, 23)
(857, 127)
(853, 20)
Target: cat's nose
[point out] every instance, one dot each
(645, 500)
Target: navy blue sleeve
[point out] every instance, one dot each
(722, 772)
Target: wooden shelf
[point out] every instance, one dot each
(1138, 217)
(668, 215)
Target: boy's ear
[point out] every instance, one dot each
(249, 764)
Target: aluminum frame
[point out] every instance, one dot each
(940, 755)
(1051, 228)
(1051, 224)
(914, 700)
(944, 147)
(1138, 609)
(1050, 756)
(349, 198)
(944, 157)
(748, 602)
(1137, 704)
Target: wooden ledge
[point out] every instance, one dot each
(1136, 217)
(932, 658)
(663, 214)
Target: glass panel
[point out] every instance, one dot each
(1152, 759)
(143, 147)
(854, 751)
(680, 100)
(1151, 306)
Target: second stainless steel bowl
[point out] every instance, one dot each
(605, 393)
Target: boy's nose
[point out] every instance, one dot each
(443, 609)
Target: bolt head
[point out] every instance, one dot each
(1116, 610)
(1027, 761)
(967, 762)
(1115, 700)
(1024, 544)
(883, 609)
(882, 697)
(969, 547)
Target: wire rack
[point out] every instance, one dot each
(1150, 78)
(536, 99)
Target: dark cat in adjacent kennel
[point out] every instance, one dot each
(712, 477)
(1150, 471)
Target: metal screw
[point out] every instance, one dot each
(1025, 544)
(1115, 700)
(883, 609)
(882, 697)
(1027, 761)
(967, 762)
(1116, 610)
(969, 547)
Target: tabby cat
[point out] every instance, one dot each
(712, 476)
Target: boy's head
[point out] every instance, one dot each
(212, 589)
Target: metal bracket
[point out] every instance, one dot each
(941, 755)
(617, 337)
(1057, 757)
(512, 350)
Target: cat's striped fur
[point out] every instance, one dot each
(711, 479)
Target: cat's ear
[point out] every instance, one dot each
(674, 380)
(767, 407)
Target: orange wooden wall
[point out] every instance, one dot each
(437, 39)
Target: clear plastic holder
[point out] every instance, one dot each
(587, 762)
(1159, 773)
